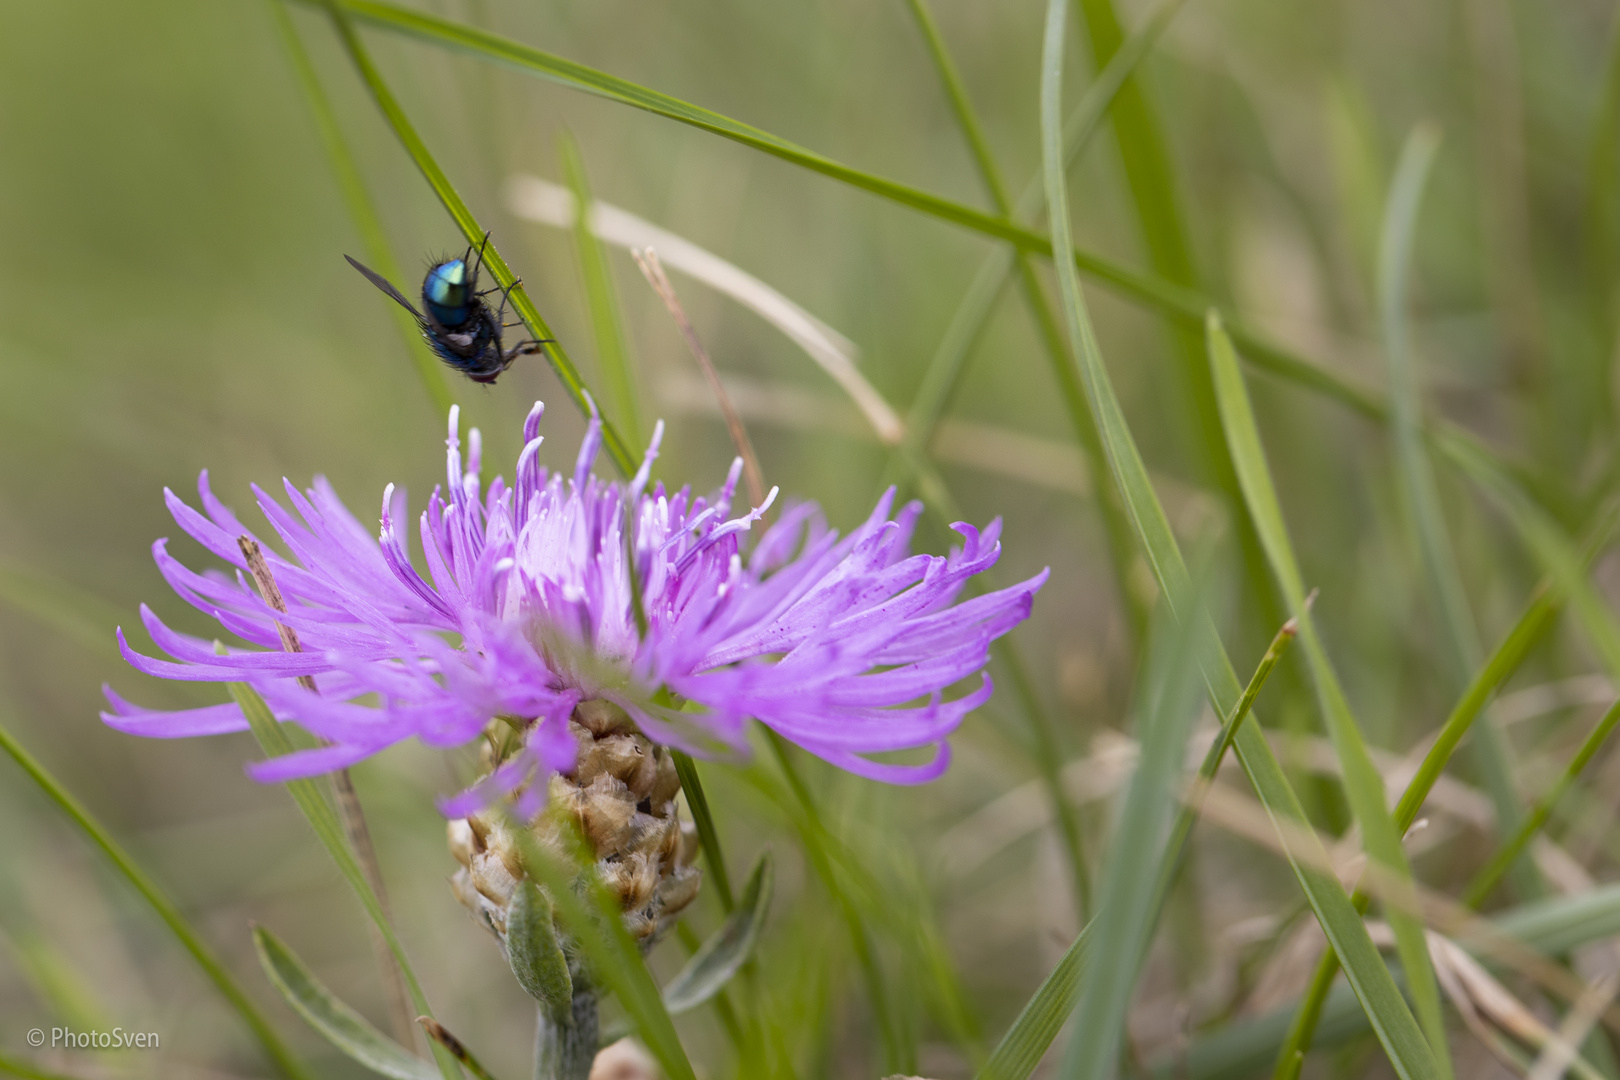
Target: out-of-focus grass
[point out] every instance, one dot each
(174, 298)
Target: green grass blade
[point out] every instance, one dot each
(278, 1052)
(363, 211)
(1363, 785)
(326, 1013)
(708, 833)
(316, 803)
(1459, 630)
(1387, 1010)
(1492, 872)
(596, 923)
(612, 352)
(406, 132)
(1041, 1018)
(1126, 915)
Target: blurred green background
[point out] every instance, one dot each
(173, 298)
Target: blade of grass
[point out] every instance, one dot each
(612, 352)
(1459, 630)
(229, 988)
(320, 811)
(595, 922)
(362, 210)
(1363, 784)
(1166, 709)
(406, 132)
(1492, 872)
(1391, 1019)
(708, 834)
(1171, 300)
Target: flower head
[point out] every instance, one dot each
(844, 645)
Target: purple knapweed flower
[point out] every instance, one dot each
(845, 646)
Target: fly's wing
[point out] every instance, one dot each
(383, 284)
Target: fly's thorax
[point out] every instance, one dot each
(621, 797)
(447, 292)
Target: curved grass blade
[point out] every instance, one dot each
(1166, 706)
(1363, 785)
(596, 923)
(362, 209)
(720, 957)
(612, 352)
(318, 809)
(277, 1051)
(1374, 986)
(337, 1022)
(475, 234)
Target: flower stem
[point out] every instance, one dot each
(565, 1047)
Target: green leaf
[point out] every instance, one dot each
(1374, 986)
(166, 910)
(1363, 785)
(533, 951)
(316, 803)
(1126, 914)
(342, 1026)
(720, 957)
